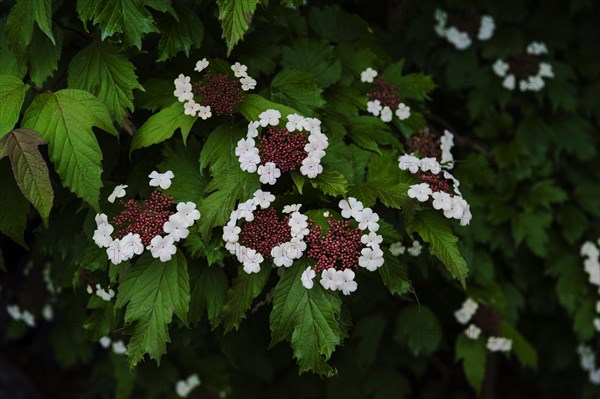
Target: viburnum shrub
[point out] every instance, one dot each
(299, 199)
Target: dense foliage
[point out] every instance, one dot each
(87, 104)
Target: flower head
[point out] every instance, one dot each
(161, 179)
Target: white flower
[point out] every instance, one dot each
(161, 179)
(104, 294)
(386, 114)
(317, 143)
(458, 208)
(115, 252)
(104, 342)
(500, 67)
(410, 162)
(537, 48)
(102, 236)
(201, 65)
(163, 248)
(546, 70)
(119, 348)
(467, 216)
(249, 161)
(101, 219)
(251, 260)
(442, 200)
(460, 40)
(269, 117)
(415, 250)
(245, 146)
(536, 83)
(397, 248)
(14, 312)
(430, 164)
(294, 249)
(298, 223)
(47, 312)
(176, 227)
(183, 88)
(184, 387)
(329, 279)
(89, 290)
(368, 75)
(253, 129)
(182, 80)
(28, 318)
(371, 239)
(590, 250)
(326, 214)
(295, 122)
(371, 258)
(473, 332)
(263, 198)
(468, 309)
(374, 107)
(188, 211)
(191, 108)
(597, 324)
(346, 281)
(131, 245)
(446, 144)
(499, 344)
(403, 111)
(204, 112)
(118, 192)
(312, 125)
(420, 191)
(280, 257)
(486, 27)
(351, 207)
(245, 210)
(269, 173)
(311, 167)
(595, 377)
(367, 219)
(231, 233)
(291, 208)
(307, 278)
(248, 84)
(509, 82)
(239, 70)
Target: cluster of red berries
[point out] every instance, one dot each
(265, 232)
(144, 218)
(488, 319)
(387, 93)
(468, 23)
(425, 144)
(283, 148)
(220, 92)
(340, 243)
(436, 182)
(523, 65)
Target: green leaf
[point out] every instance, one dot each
(418, 328)
(20, 22)
(394, 275)
(162, 125)
(29, 168)
(246, 287)
(12, 223)
(473, 353)
(331, 182)
(523, 349)
(334, 24)
(9, 65)
(255, 104)
(209, 293)
(104, 71)
(299, 89)
(308, 318)
(118, 16)
(152, 291)
(315, 57)
(44, 56)
(182, 160)
(392, 195)
(368, 131)
(198, 248)
(531, 227)
(545, 193)
(12, 95)
(158, 94)
(435, 229)
(179, 35)
(415, 86)
(235, 17)
(65, 119)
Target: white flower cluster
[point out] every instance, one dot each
(398, 248)
(371, 256)
(184, 387)
(375, 108)
(183, 88)
(283, 254)
(118, 347)
(161, 247)
(591, 265)
(248, 156)
(17, 314)
(533, 82)
(462, 40)
(587, 360)
(453, 206)
(464, 316)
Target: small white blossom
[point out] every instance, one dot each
(105, 342)
(397, 248)
(367, 219)
(201, 65)
(119, 348)
(431, 164)
(291, 208)
(184, 387)
(269, 173)
(329, 279)
(409, 162)
(371, 258)
(239, 70)
(415, 249)
(537, 48)
(442, 200)
(500, 68)
(486, 27)
(131, 245)
(299, 224)
(280, 257)
(307, 278)
(245, 210)
(231, 233)
(346, 281)
(105, 295)
(191, 108)
(47, 312)
(468, 309)
(204, 112)
(312, 125)
(269, 117)
(161, 179)
(118, 192)
(546, 70)
(295, 122)
(374, 107)
(102, 236)
(499, 344)
(188, 211)
(351, 207)
(457, 210)
(509, 82)
(460, 40)
(249, 162)
(246, 146)
(248, 83)
(263, 198)
(253, 129)
(420, 191)
(473, 332)
(311, 167)
(403, 111)
(386, 114)
(466, 216)
(251, 261)
(163, 248)
(371, 239)
(590, 250)
(316, 142)
(368, 75)
(176, 227)
(101, 219)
